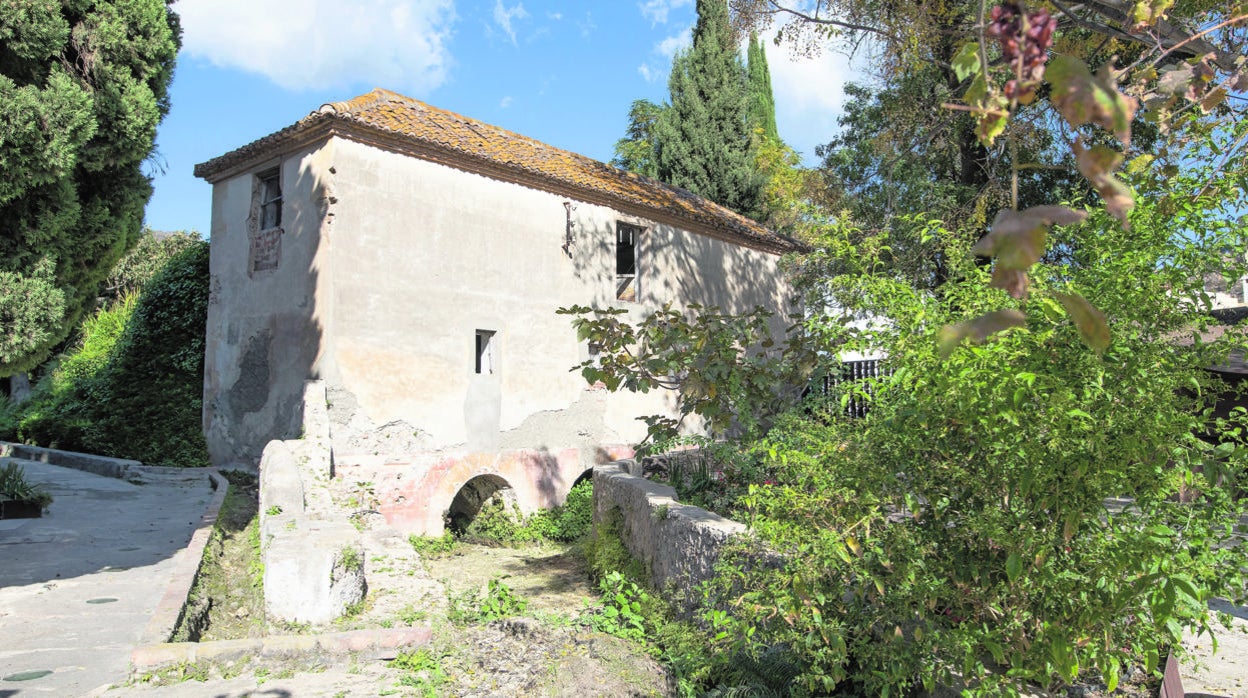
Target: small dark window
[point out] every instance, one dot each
(485, 351)
(627, 238)
(270, 184)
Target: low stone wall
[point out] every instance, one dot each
(106, 466)
(678, 544)
(313, 563)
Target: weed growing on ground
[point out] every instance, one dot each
(499, 601)
(421, 670)
(427, 545)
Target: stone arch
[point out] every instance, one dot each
(467, 502)
(587, 475)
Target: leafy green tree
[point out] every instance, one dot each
(762, 102)
(635, 152)
(149, 256)
(82, 89)
(703, 138)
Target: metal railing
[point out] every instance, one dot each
(831, 386)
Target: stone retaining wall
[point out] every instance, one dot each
(678, 544)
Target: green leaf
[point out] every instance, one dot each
(1014, 567)
(966, 63)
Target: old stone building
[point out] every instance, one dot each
(412, 260)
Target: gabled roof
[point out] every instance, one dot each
(389, 120)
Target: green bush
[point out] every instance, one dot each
(495, 524)
(575, 518)
(133, 386)
(960, 531)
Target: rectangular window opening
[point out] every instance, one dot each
(627, 238)
(485, 352)
(270, 199)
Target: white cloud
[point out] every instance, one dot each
(505, 102)
(663, 51)
(556, 16)
(504, 15)
(319, 44)
(809, 94)
(657, 10)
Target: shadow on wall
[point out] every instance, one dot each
(264, 327)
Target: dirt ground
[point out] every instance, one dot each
(546, 651)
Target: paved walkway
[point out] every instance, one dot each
(79, 586)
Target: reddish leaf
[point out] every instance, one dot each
(979, 329)
(1212, 99)
(1097, 164)
(1017, 237)
(1081, 97)
(1013, 281)
(1090, 321)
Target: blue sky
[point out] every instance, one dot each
(561, 72)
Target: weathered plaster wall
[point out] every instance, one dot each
(389, 265)
(264, 328)
(423, 255)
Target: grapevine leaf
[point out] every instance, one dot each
(1097, 164)
(1212, 99)
(967, 63)
(1175, 81)
(1017, 238)
(1090, 321)
(1148, 12)
(1081, 97)
(1012, 281)
(1241, 81)
(979, 329)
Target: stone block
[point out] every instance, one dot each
(313, 572)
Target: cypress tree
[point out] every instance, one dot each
(762, 103)
(83, 86)
(703, 137)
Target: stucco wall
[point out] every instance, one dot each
(264, 328)
(389, 266)
(424, 255)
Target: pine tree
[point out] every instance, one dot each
(762, 103)
(703, 137)
(82, 89)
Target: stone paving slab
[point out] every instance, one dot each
(80, 586)
(1225, 673)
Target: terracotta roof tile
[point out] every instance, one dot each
(410, 125)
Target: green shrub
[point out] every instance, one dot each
(496, 524)
(62, 410)
(154, 382)
(132, 387)
(575, 518)
(9, 417)
(428, 545)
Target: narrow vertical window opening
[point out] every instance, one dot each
(270, 199)
(627, 238)
(485, 352)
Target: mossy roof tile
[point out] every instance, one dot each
(391, 120)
